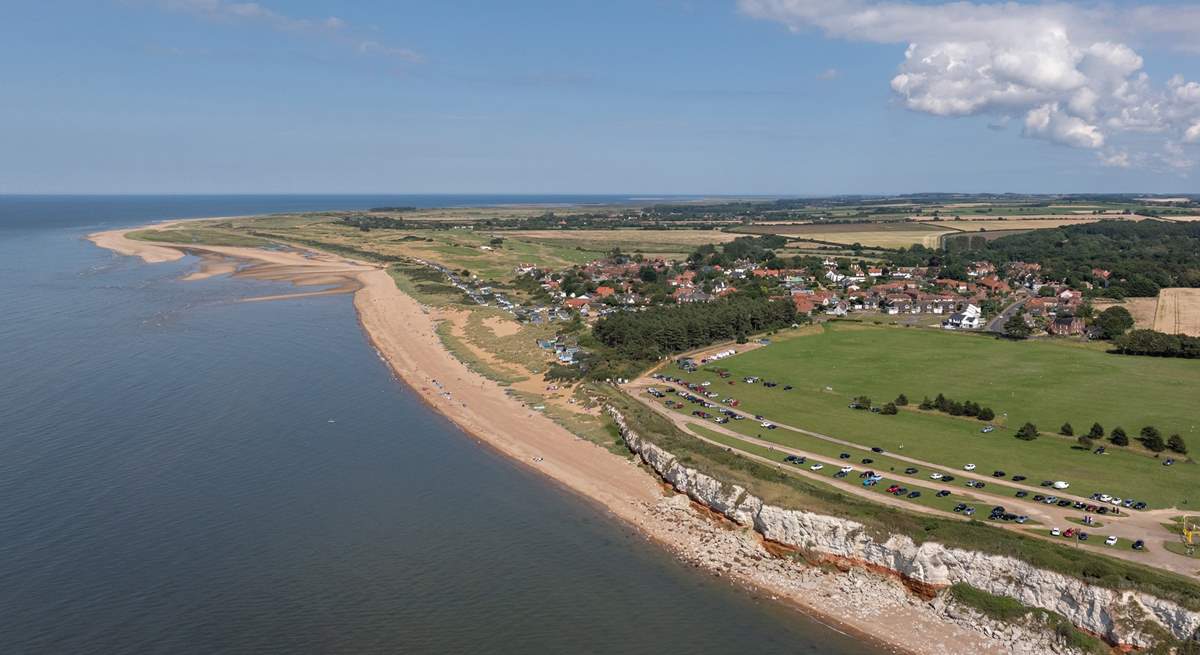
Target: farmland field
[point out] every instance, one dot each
(1045, 382)
(883, 235)
(1178, 312)
(976, 225)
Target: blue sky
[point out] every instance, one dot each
(650, 96)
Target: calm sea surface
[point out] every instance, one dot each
(183, 473)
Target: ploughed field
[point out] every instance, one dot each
(1044, 382)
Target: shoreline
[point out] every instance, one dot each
(402, 332)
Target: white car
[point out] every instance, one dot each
(847, 469)
(1055, 532)
(969, 467)
(765, 424)
(817, 467)
(1104, 498)
(1116, 501)
(1061, 485)
(1111, 541)
(936, 476)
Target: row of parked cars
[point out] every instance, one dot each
(1111, 540)
(1128, 503)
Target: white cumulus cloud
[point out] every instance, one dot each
(1064, 67)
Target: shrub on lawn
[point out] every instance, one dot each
(1118, 437)
(1066, 430)
(1028, 432)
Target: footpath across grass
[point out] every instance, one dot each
(779, 488)
(830, 368)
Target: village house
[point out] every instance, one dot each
(968, 319)
(1067, 326)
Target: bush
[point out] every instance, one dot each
(901, 400)
(1113, 322)
(889, 409)
(1177, 445)
(986, 414)
(926, 404)
(1066, 430)
(1028, 432)
(1118, 437)
(1097, 431)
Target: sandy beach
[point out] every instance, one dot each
(403, 332)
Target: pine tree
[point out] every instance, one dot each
(1118, 437)
(1176, 444)
(1097, 431)
(901, 400)
(1067, 430)
(1028, 432)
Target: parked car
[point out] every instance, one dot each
(876, 449)
(867, 460)
(987, 428)
(1022, 518)
(910, 471)
(960, 507)
(1082, 536)
(1168, 461)
(943, 493)
(1055, 532)
(1018, 478)
(935, 476)
(844, 456)
(1111, 540)
(1022, 494)
(998, 474)
(847, 469)
(914, 494)
(969, 467)
(970, 511)
(1139, 545)
(1069, 532)
(816, 467)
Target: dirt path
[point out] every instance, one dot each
(1145, 525)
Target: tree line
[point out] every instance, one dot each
(1157, 344)
(657, 332)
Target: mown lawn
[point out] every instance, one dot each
(1043, 382)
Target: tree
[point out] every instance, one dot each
(926, 404)
(889, 409)
(1028, 432)
(902, 400)
(986, 414)
(1097, 431)
(1176, 444)
(1152, 439)
(861, 402)
(1114, 321)
(1118, 437)
(1016, 328)
(1084, 441)
(1067, 430)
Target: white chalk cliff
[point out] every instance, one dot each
(1126, 618)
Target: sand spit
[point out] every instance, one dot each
(403, 332)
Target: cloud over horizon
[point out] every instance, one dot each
(1063, 71)
(330, 27)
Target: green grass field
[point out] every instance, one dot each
(1046, 382)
